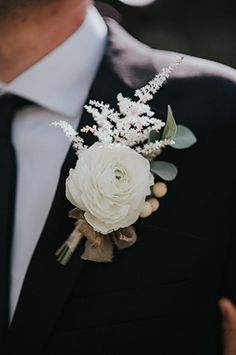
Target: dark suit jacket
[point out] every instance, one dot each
(160, 296)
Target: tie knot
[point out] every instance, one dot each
(9, 104)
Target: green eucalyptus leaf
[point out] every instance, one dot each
(184, 138)
(167, 171)
(154, 136)
(170, 128)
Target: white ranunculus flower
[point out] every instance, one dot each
(110, 183)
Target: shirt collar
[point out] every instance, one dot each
(61, 80)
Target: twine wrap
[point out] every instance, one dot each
(98, 247)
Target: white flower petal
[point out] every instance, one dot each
(110, 183)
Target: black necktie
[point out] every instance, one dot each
(9, 104)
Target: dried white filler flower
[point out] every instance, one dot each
(130, 125)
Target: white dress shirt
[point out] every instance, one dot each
(59, 83)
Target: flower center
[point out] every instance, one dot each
(120, 175)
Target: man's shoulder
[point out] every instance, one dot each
(143, 62)
(210, 81)
(193, 67)
(204, 83)
(201, 89)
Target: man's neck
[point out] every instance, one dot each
(30, 37)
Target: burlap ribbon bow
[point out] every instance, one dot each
(98, 247)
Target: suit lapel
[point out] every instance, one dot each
(47, 284)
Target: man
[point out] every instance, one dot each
(160, 296)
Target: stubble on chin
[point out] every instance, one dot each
(13, 9)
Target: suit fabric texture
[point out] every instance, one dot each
(160, 296)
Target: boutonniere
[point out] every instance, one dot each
(113, 182)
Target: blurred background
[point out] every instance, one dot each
(203, 28)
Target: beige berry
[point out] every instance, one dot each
(159, 189)
(146, 211)
(154, 203)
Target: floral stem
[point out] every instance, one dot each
(65, 252)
